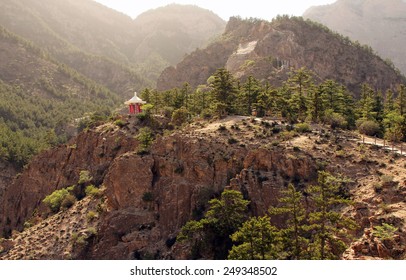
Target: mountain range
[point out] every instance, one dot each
(379, 24)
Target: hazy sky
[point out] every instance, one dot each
(265, 9)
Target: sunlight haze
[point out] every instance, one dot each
(225, 9)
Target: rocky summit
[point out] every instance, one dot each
(268, 51)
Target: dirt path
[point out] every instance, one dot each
(398, 148)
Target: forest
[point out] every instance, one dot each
(299, 100)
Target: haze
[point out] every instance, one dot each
(253, 8)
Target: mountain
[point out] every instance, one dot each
(267, 50)
(165, 35)
(130, 205)
(84, 35)
(107, 46)
(40, 99)
(379, 24)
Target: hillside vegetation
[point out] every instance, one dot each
(40, 98)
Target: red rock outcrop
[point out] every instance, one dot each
(153, 196)
(59, 168)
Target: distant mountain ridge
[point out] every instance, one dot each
(90, 37)
(380, 24)
(268, 50)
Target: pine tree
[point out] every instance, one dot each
(224, 91)
(224, 217)
(249, 95)
(401, 100)
(301, 85)
(256, 239)
(366, 104)
(292, 207)
(326, 222)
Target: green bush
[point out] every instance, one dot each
(145, 138)
(91, 215)
(335, 120)
(84, 177)
(370, 128)
(302, 127)
(180, 116)
(384, 232)
(68, 201)
(93, 191)
(55, 199)
(120, 123)
(142, 116)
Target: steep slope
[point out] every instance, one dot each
(102, 43)
(82, 34)
(268, 50)
(148, 197)
(380, 24)
(164, 35)
(40, 98)
(174, 30)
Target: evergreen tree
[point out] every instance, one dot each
(301, 85)
(401, 100)
(367, 104)
(327, 224)
(256, 239)
(224, 92)
(249, 95)
(224, 217)
(293, 209)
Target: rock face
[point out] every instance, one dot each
(379, 24)
(268, 50)
(148, 197)
(56, 169)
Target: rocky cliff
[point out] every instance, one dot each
(268, 50)
(379, 24)
(148, 197)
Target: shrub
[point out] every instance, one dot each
(54, 200)
(302, 127)
(370, 128)
(384, 232)
(142, 116)
(68, 201)
(378, 187)
(91, 215)
(232, 141)
(222, 128)
(387, 179)
(93, 191)
(146, 138)
(335, 120)
(91, 231)
(120, 123)
(84, 177)
(180, 116)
